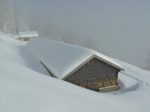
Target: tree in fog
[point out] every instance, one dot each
(7, 20)
(11, 19)
(147, 67)
(44, 27)
(70, 37)
(88, 42)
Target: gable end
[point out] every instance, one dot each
(87, 61)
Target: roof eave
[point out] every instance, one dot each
(108, 62)
(93, 56)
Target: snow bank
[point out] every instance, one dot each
(24, 89)
(14, 50)
(134, 72)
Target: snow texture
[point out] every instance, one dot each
(24, 87)
(29, 34)
(62, 59)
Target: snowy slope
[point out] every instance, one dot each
(15, 51)
(25, 87)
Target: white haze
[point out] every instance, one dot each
(118, 28)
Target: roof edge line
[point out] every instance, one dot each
(81, 64)
(84, 62)
(114, 65)
(50, 72)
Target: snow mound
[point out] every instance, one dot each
(14, 50)
(24, 88)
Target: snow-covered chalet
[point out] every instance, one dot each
(80, 66)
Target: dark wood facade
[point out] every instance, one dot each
(94, 74)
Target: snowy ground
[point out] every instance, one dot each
(25, 86)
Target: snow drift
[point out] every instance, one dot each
(26, 87)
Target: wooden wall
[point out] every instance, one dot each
(94, 75)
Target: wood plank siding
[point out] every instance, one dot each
(94, 74)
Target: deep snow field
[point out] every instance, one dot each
(25, 86)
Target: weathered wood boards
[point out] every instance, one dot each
(95, 74)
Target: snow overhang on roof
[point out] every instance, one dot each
(28, 34)
(63, 59)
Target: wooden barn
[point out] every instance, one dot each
(96, 75)
(77, 65)
(27, 36)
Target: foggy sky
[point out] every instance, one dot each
(119, 28)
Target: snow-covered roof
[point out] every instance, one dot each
(63, 59)
(26, 90)
(28, 34)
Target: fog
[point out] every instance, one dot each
(118, 28)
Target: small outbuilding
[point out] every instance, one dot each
(27, 36)
(80, 66)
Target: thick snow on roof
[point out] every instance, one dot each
(62, 59)
(29, 34)
(26, 90)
